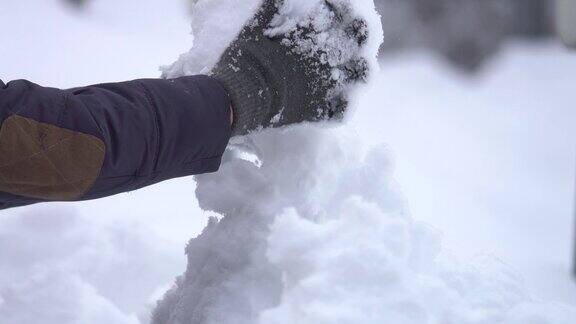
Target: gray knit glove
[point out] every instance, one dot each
(273, 84)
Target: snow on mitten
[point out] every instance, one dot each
(279, 74)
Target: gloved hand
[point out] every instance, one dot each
(275, 79)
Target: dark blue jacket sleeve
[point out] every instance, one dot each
(152, 129)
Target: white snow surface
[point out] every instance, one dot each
(318, 232)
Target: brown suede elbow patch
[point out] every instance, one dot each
(44, 161)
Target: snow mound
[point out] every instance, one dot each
(313, 228)
(319, 233)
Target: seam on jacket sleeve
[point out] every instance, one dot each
(63, 109)
(155, 116)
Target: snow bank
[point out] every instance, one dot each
(320, 234)
(315, 230)
(60, 267)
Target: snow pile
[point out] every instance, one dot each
(59, 267)
(319, 234)
(314, 230)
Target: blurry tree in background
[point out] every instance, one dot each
(532, 18)
(465, 32)
(566, 21)
(76, 3)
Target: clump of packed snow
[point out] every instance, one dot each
(215, 24)
(313, 228)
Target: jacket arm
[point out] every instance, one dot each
(100, 140)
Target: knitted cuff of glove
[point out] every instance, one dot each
(244, 79)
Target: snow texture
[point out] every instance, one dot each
(315, 230)
(214, 25)
(59, 268)
(320, 234)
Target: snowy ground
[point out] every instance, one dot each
(488, 161)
